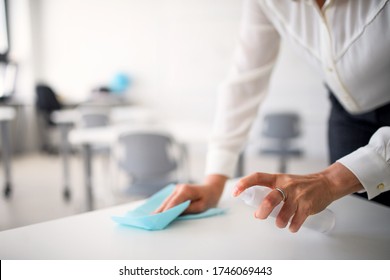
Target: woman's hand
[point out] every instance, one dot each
(305, 194)
(202, 197)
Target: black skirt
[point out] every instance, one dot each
(348, 132)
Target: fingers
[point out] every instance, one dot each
(181, 194)
(289, 212)
(299, 218)
(272, 200)
(178, 196)
(262, 179)
(286, 213)
(163, 205)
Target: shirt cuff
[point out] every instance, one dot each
(221, 162)
(370, 168)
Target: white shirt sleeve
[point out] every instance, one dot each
(241, 93)
(371, 163)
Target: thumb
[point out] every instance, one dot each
(258, 178)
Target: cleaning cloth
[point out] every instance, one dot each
(143, 217)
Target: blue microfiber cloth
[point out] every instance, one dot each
(142, 216)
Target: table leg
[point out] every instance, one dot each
(65, 150)
(240, 165)
(88, 175)
(6, 156)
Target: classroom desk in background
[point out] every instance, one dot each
(69, 118)
(362, 231)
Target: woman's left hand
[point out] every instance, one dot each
(305, 194)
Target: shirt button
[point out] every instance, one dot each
(381, 186)
(330, 69)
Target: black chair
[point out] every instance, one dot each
(46, 103)
(281, 129)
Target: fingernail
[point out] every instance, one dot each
(293, 229)
(260, 215)
(236, 190)
(281, 225)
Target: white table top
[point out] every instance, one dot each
(7, 113)
(66, 116)
(362, 232)
(131, 118)
(186, 132)
(119, 114)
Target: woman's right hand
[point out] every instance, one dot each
(202, 196)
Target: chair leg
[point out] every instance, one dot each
(283, 164)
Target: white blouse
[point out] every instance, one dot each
(348, 41)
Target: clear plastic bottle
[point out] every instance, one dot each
(323, 222)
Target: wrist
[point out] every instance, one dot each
(216, 183)
(341, 180)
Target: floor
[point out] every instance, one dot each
(38, 191)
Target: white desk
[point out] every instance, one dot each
(118, 114)
(6, 115)
(186, 132)
(362, 232)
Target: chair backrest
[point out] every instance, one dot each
(46, 99)
(281, 125)
(93, 116)
(89, 120)
(147, 155)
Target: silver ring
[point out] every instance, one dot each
(282, 193)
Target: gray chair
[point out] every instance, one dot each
(281, 129)
(151, 160)
(94, 119)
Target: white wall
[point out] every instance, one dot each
(295, 86)
(176, 50)
(22, 52)
(21, 47)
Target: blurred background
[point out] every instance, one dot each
(77, 76)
